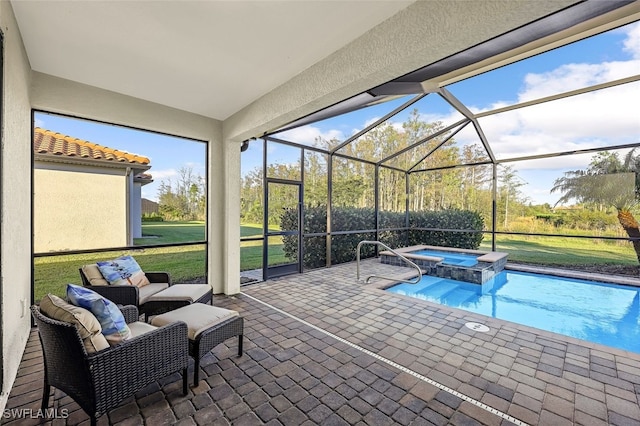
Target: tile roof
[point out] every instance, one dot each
(47, 142)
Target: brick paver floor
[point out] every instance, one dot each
(321, 348)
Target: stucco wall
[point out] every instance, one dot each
(78, 208)
(15, 227)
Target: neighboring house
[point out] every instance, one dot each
(150, 207)
(86, 195)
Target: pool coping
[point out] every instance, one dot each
(483, 256)
(588, 276)
(433, 261)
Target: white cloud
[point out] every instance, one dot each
(397, 126)
(603, 118)
(163, 174)
(308, 135)
(369, 122)
(597, 119)
(632, 42)
(575, 76)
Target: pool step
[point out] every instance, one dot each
(458, 296)
(440, 288)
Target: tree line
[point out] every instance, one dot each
(353, 181)
(605, 190)
(183, 198)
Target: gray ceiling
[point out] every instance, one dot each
(207, 57)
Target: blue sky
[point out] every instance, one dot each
(607, 117)
(167, 154)
(592, 60)
(597, 119)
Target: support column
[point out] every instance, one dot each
(223, 214)
(215, 211)
(136, 210)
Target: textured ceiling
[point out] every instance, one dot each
(207, 57)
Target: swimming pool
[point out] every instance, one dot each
(598, 312)
(448, 258)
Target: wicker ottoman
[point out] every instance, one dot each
(176, 296)
(208, 327)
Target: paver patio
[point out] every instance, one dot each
(323, 349)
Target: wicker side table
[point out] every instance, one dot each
(208, 327)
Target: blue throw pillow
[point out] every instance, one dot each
(114, 326)
(123, 271)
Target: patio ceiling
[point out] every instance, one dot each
(207, 57)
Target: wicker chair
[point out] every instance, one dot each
(149, 300)
(100, 381)
(126, 294)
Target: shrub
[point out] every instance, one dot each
(343, 247)
(152, 217)
(446, 219)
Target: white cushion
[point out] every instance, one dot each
(144, 293)
(94, 275)
(190, 292)
(138, 328)
(198, 316)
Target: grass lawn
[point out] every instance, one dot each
(171, 232)
(51, 274)
(251, 255)
(251, 251)
(557, 251)
(250, 230)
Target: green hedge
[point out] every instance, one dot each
(343, 247)
(152, 217)
(446, 219)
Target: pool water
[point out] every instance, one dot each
(449, 258)
(603, 313)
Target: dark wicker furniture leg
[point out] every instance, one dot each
(211, 338)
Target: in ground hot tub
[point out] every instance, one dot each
(472, 266)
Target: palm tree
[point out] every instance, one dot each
(607, 181)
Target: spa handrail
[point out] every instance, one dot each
(415, 280)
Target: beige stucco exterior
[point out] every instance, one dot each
(15, 216)
(79, 207)
(421, 34)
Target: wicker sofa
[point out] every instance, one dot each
(101, 380)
